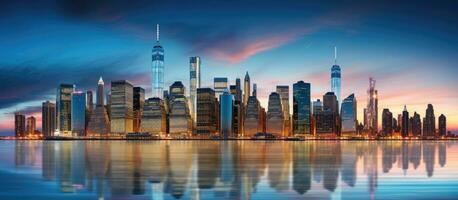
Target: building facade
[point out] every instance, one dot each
(48, 119)
(157, 68)
(429, 123)
(220, 86)
(139, 102)
(301, 108)
(274, 118)
(246, 89)
(283, 91)
(442, 125)
(19, 125)
(78, 113)
(64, 108)
(194, 83)
(121, 107)
(349, 115)
(252, 119)
(405, 123)
(206, 112)
(154, 117)
(99, 122)
(226, 108)
(371, 111)
(387, 123)
(31, 125)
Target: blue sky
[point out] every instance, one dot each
(409, 47)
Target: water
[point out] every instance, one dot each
(228, 170)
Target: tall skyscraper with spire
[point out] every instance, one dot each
(157, 68)
(246, 89)
(336, 78)
(99, 123)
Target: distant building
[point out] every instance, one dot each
(99, 123)
(349, 115)
(237, 119)
(154, 117)
(442, 125)
(325, 121)
(416, 125)
(194, 83)
(246, 89)
(89, 101)
(19, 125)
(387, 123)
(139, 102)
(206, 112)
(176, 89)
(64, 105)
(317, 106)
(255, 90)
(283, 91)
(31, 125)
(274, 119)
(429, 123)
(121, 108)
(405, 123)
(226, 109)
(180, 122)
(336, 78)
(220, 86)
(157, 68)
(78, 113)
(252, 118)
(371, 111)
(48, 118)
(301, 108)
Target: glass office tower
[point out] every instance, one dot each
(78, 113)
(301, 108)
(157, 68)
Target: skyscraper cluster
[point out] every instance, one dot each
(224, 111)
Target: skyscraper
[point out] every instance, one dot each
(274, 118)
(180, 122)
(48, 118)
(371, 114)
(64, 105)
(387, 123)
(430, 122)
(220, 86)
(246, 89)
(194, 83)
(31, 125)
(416, 125)
(237, 119)
(19, 124)
(139, 102)
(78, 113)
(283, 91)
(226, 108)
(349, 115)
(121, 108)
(157, 68)
(301, 108)
(206, 112)
(154, 117)
(89, 101)
(336, 78)
(255, 89)
(442, 125)
(405, 123)
(317, 106)
(252, 119)
(176, 89)
(99, 123)
(330, 103)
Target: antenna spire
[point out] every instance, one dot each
(335, 55)
(157, 33)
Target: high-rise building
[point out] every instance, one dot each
(154, 117)
(252, 119)
(121, 107)
(237, 118)
(430, 122)
(157, 68)
(255, 89)
(99, 123)
(387, 123)
(78, 113)
(349, 115)
(283, 91)
(220, 86)
(194, 83)
(176, 89)
(317, 106)
(405, 123)
(442, 125)
(274, 118)
(180, 122)
(48, 118)
(19, 125)
(246, 89)
(139, 102)
(31, 125)
(325, 123)
(336, 78)
(64, 105)
(226, 109)
(371, 114)
(206, 112)
(416, 125)
(301, 108)
(89, 101)
(330, 103)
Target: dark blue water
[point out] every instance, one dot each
(228, 170)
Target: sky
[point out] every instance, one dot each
(409, 47)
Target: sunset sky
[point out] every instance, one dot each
(409, 47)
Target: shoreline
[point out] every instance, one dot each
(238, 139)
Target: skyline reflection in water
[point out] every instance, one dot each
(228, 169)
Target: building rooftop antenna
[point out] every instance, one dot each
(157, 33)
(335, 55)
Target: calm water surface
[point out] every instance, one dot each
(228, 170)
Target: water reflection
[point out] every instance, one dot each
(228, 170)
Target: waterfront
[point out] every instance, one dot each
(228, 169)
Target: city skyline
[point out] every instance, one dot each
(312, 56)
